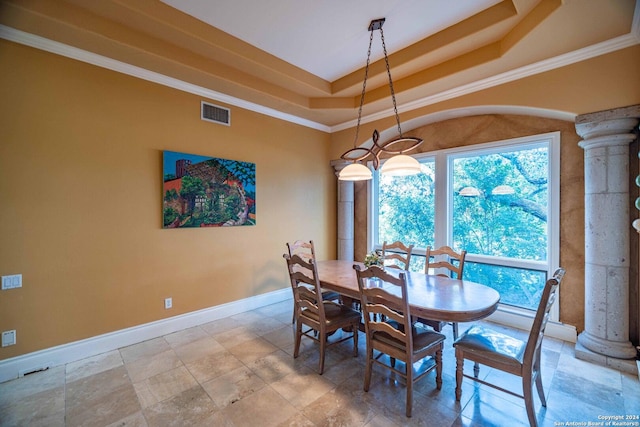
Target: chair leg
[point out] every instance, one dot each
(439, 369)
(409, 373)
(540, 389)
(527, 389)
(296, 350)
(476, 369)
(538, 378)
(459, 366)
(293, 314)
(323, 347)
(455, 330)
(355, 340)
(368, 369)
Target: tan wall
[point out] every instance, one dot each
(80, 191)
(80, 201)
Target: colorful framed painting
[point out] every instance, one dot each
(200, 191)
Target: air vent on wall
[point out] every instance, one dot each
(214, 113)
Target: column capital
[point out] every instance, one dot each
(339, 164)
(619, 121)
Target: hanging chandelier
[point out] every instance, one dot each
(398, 165)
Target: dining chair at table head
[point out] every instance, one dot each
(320, 317)
(396, 255)
(306, 251)
(386, 298)
(443, 261)
(509, 354)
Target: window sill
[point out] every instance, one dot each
(522, 319)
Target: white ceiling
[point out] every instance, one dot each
(330, 37)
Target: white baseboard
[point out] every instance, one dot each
(557, 330)
(55, 356)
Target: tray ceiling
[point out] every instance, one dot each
(306, 59)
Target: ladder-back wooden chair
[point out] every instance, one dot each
(321, 318)
(395, 336)
(307, 251)
(503, 352)
(396, 255)
(443, 261)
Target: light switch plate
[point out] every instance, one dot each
(12, 282)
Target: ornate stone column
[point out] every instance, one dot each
(345, 214)
(606, 138)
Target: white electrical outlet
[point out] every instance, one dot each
(11, 282)
(8, 338)
(168, 303)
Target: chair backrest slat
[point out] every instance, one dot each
(302, 248)
(445, 257)
(398, 253)
(385, 311)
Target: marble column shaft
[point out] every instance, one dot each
(345, 220)
(345, 215)
(607, 246)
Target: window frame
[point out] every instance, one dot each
(443, 160)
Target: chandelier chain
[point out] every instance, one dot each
(364, 87)
(393, 94)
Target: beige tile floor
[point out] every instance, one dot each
(239, 371)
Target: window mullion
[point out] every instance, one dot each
(442, 200)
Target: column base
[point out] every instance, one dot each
(623, 365)
(615, 349)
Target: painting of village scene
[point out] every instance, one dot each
(204, 191)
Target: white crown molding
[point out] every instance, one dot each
(15, 367)
(62, 49)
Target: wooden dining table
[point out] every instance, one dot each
(430, 296)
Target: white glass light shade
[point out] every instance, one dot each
(355, 172)
(401, 165)
(469, 192)
(503, 190)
